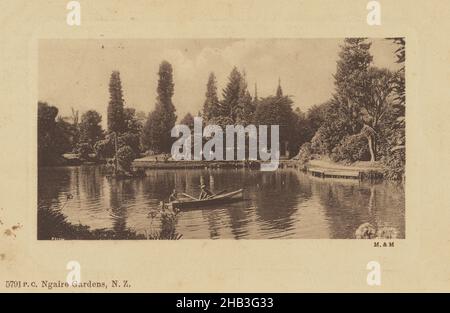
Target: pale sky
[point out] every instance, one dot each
(75, 73)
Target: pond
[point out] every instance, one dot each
(286, 203)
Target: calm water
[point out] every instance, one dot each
(282, 204)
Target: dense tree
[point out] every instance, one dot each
(316, 115)
(52, 135)
(116, 104)
(188, 120)
(332, 130)
(133, 123)
(68, 135)
(90, 127)
(230, 96)
(211, 106)
(376, 104)
(125, 156)
(365, 118)
(301, 130)
(246, 108)
(352, 66)
(237, 105)
(400, 83)
(274, 110)
(394, 158)
(398, 136)
(342, 115)
(156, 133)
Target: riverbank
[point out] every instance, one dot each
(319, 168)
(73, 159)
(323, 167)
(151, 163)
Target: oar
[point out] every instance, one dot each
(214, 195)
(189, 196)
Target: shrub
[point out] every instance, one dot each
(83, 149)
(131, 140)
(304, 154)
(394, 165)
(104, 148)
(351, 149)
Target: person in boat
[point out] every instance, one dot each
(204, 193)
(173, 196)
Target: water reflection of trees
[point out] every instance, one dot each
(272, 209)
(277, 197)
(347, 205)
(51, 183)
(238, 216)
(159, 184)
(91, 181)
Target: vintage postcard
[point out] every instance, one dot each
(224, 146)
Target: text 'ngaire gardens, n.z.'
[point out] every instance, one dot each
(59, 284)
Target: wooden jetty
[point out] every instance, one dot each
(330, 173)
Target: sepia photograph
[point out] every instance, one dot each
(175, 139)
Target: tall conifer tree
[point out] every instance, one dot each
(115, 106)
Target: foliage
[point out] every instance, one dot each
(304, 154)
(316, 116)
(366, 98)
(394, 164)
(125, 157)
(331, 132)
(274, 110)
(188, 120)
(104, 148)
(352, 66)
(53, 137)
(153, 132)
(131, 140)
(83, 149)
(52, 224)
(351, 149)
(211, 106)
(168, 218)
(115, 108)
(400, 83)
(245, 107)
(230, 95)
(133, 123)
(66, 135)
(301, 131)
(156, 133)
(237, 105)
(90, 128)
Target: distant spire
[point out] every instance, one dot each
(279, 90)
(256, 93)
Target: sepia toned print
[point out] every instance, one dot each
(107, 109)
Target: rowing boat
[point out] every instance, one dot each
(218, 199)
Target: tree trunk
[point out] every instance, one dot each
(372, 153)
